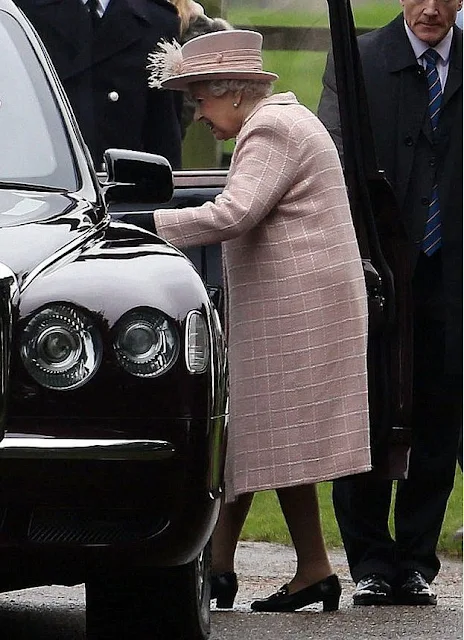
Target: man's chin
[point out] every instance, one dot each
(431, 35)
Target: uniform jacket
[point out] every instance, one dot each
(397, 95)
(297, 312)
(104, 74)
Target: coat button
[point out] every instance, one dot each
(425, 202)
(408, 141)
(113, 96)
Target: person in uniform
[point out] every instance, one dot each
(99, 49)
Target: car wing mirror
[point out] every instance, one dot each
(136, 176)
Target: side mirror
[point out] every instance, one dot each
(136, 176)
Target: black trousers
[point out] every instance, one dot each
(362, 503)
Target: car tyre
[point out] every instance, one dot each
(155, 604)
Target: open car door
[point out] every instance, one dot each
(383, 245)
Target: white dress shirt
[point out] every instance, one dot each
(101, 6)
(442, 48)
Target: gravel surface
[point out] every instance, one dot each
(263, 567)
(58, 613)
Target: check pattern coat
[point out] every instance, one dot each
(297, 309)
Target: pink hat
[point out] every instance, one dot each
(222, 55)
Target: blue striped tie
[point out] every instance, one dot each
(432, 237)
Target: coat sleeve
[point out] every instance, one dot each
(328, 109)
(263, 169)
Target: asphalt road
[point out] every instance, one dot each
(58, 613)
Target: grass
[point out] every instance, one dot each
(299, 71)
(266, 523)
(366, 15)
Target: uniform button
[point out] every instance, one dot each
(408, 141)
(113, 96)
(425, 201)
(432, 162)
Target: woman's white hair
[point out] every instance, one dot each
(250, 88)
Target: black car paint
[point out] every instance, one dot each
(63, 515)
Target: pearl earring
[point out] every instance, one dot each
(236, 105)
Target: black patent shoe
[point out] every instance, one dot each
(415, 590)
(373, 589)
(327, 591)
(224, 587)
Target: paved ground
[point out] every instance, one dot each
(58, 613)
(263, 567)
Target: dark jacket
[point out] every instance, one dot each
(397, 95)
(104, 72)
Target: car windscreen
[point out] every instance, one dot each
(34, 148)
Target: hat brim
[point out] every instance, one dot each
(182, 81)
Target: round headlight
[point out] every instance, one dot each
(60, 347)
(146, 342)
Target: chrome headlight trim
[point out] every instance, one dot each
(61, 347)
(197, 343)
(146, 342)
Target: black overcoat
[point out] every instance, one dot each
(104, 71)
(397, 97)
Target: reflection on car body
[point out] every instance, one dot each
(113, 373)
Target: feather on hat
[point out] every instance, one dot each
(222, 55)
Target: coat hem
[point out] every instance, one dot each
(232, 496)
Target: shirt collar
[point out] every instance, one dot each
(102, 5)
(420, 47)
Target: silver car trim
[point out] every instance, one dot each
(83, 449)
(190, 178)
(211, 178)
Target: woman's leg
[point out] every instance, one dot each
(227, 532)
(300, 507)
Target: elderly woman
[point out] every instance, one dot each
(296, 301)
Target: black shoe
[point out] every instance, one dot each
(373, 589)
(415, 590)
(224, 587)
(326, 591)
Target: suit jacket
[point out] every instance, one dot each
(104, 71)
(297, 309)
(397, 95)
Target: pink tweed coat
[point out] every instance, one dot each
(297, 309)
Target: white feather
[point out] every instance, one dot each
(164, 62)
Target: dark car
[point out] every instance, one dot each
(113, 373)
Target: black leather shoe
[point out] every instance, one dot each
(373, 589)
(326, 591)
(224, 587)
(415, 590)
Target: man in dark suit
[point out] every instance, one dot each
(419, 146)
(100, 52)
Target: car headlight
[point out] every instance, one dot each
(196, 343)
(146, 342)
(61, 347)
